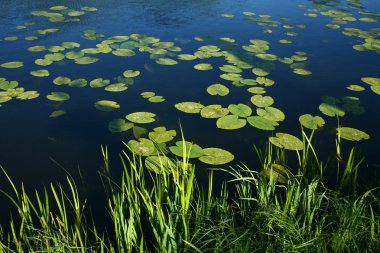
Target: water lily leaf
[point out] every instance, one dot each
(99, 83)
(142, 147)
(218, 89)
(267, 57)
(161, 135)
(286, 141)
(262, 123)
(311, 122)
(262, 101)
(159, 163)
(106, 105)
(116, 87)
(131, 73)
(61, 80)
(203, 66)
(58, 8)
(42, 62)
(4, 98)
(256, 90)
(5, 85)
(57, 113)
(12, 64)
(264, 81)
(213, 111)
(70, 45)
(87, 8)
(371, 81)
(73, 55)
(141, 117)
(302, 72)
(260, 72)
(86, 60)
(37, 49)
(58, 96)
(27, 95)
(156, 99)
(124, 52)
(240, 110)
(186, 57)
(351, 134)
(230, 69)
(230, 122)
(74, 13)
(40, 73)
(166, 61)
(355, 87)
(231, 76)
(216, 156)
(54, 57)
(189, 149)
(271, 113)
(278, 173)
(119, 125)
(163, 44)
(189, 107)
(147, 94)
(331, 110)
(56, 49)
(376, 89)
(78, 83)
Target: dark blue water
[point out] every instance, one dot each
(30, 141)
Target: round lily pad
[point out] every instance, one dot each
(40, 73)
(27, 95)
(262, 101)
(262, 123)
(142, 147)
(37, 49)
(213, 111)
(376, 89)
(186, 148)
(131, 73)
(54, 57)
(161, 135)
(331, 110)
(231, 76)
(73, 55)
(271, 113)
(355, 87)
(286, 141)
(371, 81)
(189, 107)
(186, 57)
(166, 61)
(99, 83)
(203, 66)
(78, 83)
(141, 117)
(124, 52)
(61, 80)
(240, 110)
(147, 94)
(256, 90)
(119, 125)
(42, 62)
(86, 60)
(218, 89)
(57, 113)
(106, 105)
(58, 96)
(311, 122)
(352, 134)
(216, 156)
(260, 72)
(230, 69)
(116, 87)
(302, 72)
(12, 64)
(156, 99)
(230, 122)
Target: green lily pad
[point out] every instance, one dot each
(4, 98)
(240, 110)
(278, 173)
(203, 66)
(147, 94)
(186, 57)
(230, 122)
(218, 89)
(73, 55)
(271, 113)
(56, 49)
(61, 80)
(376, 89)
(58, 96)
(99, 83)
(355, 87)
(286, 141)
(156, 99)
(43, 62)
(142, 147)
(86, 60)
(351, 134)
(57, 113)
(37, 49)
(264, 81)
(260, 72)
(54, 57)
(70, 45)
(131, 73)
(189, 107)
(106, 105)
(216, 156)
(230, 69)
(5, 85)
(78, 83)
(166, 61)
(331, 110)
(302, 72)
(12, 64)
(371, 81)
(124, 52)
(267, 57)
(262, 101)
(119, 125)
(186, 148)
(262, 123)
(256, 90)
(27, 95)
(116, 87)
(161, 135)
(311, 122)
(231, 76)
(40, 73)
(141, 117)
(213, 111)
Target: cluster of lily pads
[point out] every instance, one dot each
(10, 90)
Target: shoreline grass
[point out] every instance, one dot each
(269, 209)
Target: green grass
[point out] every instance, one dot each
(169, 211)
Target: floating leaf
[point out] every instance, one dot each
(231, 76)
(131, 73)
(40, 73)
(262, 101)
(203, 66)
(54, 57)
(271, 113)
(286, 141)
(124, 52)
(5, 85)
(331, 110)
(240, 110)
(230, 122)
(42, 62)
(161, 135)
(256, 90)
(355, 87)
(187, 57)
(57, 113)
(213, 111)
(27, 95)
(371, 81)
(37, 49)
(73, 55)
(159, 164)
(311, 122)
(116, 87)
(218, 89)
(376, 89)
(186, 148)
(12, 64)
(262, 123)
(141, 117)
(86, 60)
(278, 173)
(260, 72)
(189, 107)
(106, 105)
(78, 83)
(142, 147)
(230, 69)
(156, 99)
(300, 71)
(58, 96)
(216, 156)
(351, 134)
(99, 83)
(147, 94)
(166, 61)
(119, 125)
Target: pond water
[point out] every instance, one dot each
(297, 52)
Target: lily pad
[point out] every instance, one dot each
(311, 122)
(40, 73)
(99, 83)
(37, 49)
(262, 123)
(12, 64)
(352, 134)
(159, 163)
(218, 89)
(61, 80)
(42, 62)
(189, 107)
(256, 90)
(78, 83)
(58, 96)
(231, 76)
(161, 135)
(271, 113)
(355, 87)
(286, 141)
(106, 105)
(166, 61)
(278, 173)
(186, 148)
(73, 55)
(54, 57)
(119, 125)
(124, 52)
(240, 110)
(302, 72)
(376, 89)
(142, 147)
(86, 60)
(213, 111)
(147, 94)
(262, 101)
(260, 72)
(331, 110)
(230, 69)
(131, 73)
(203, 66)
(230, 122)
(141, 117)
(186, 57)
(156, 99)
(116, 87)
(27, 95)
(57, 113)
(216, 156)
(371, 81)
